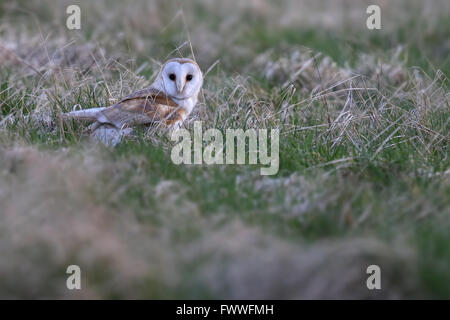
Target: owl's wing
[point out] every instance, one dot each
(142, 107)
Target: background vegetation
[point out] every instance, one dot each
(364, 171)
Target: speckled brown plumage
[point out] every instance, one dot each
(142, 107)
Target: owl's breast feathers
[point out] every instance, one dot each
(142, 107)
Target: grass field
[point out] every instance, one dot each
(364, 162)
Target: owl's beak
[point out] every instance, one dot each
(180, 85)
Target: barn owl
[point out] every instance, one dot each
(168, 101)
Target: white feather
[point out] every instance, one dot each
(86, 114)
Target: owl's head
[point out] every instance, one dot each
(180, 78)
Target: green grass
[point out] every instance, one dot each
(365, 164)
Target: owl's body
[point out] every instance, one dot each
(167, 102)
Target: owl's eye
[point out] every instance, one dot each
(172, 76)
(189, 77)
